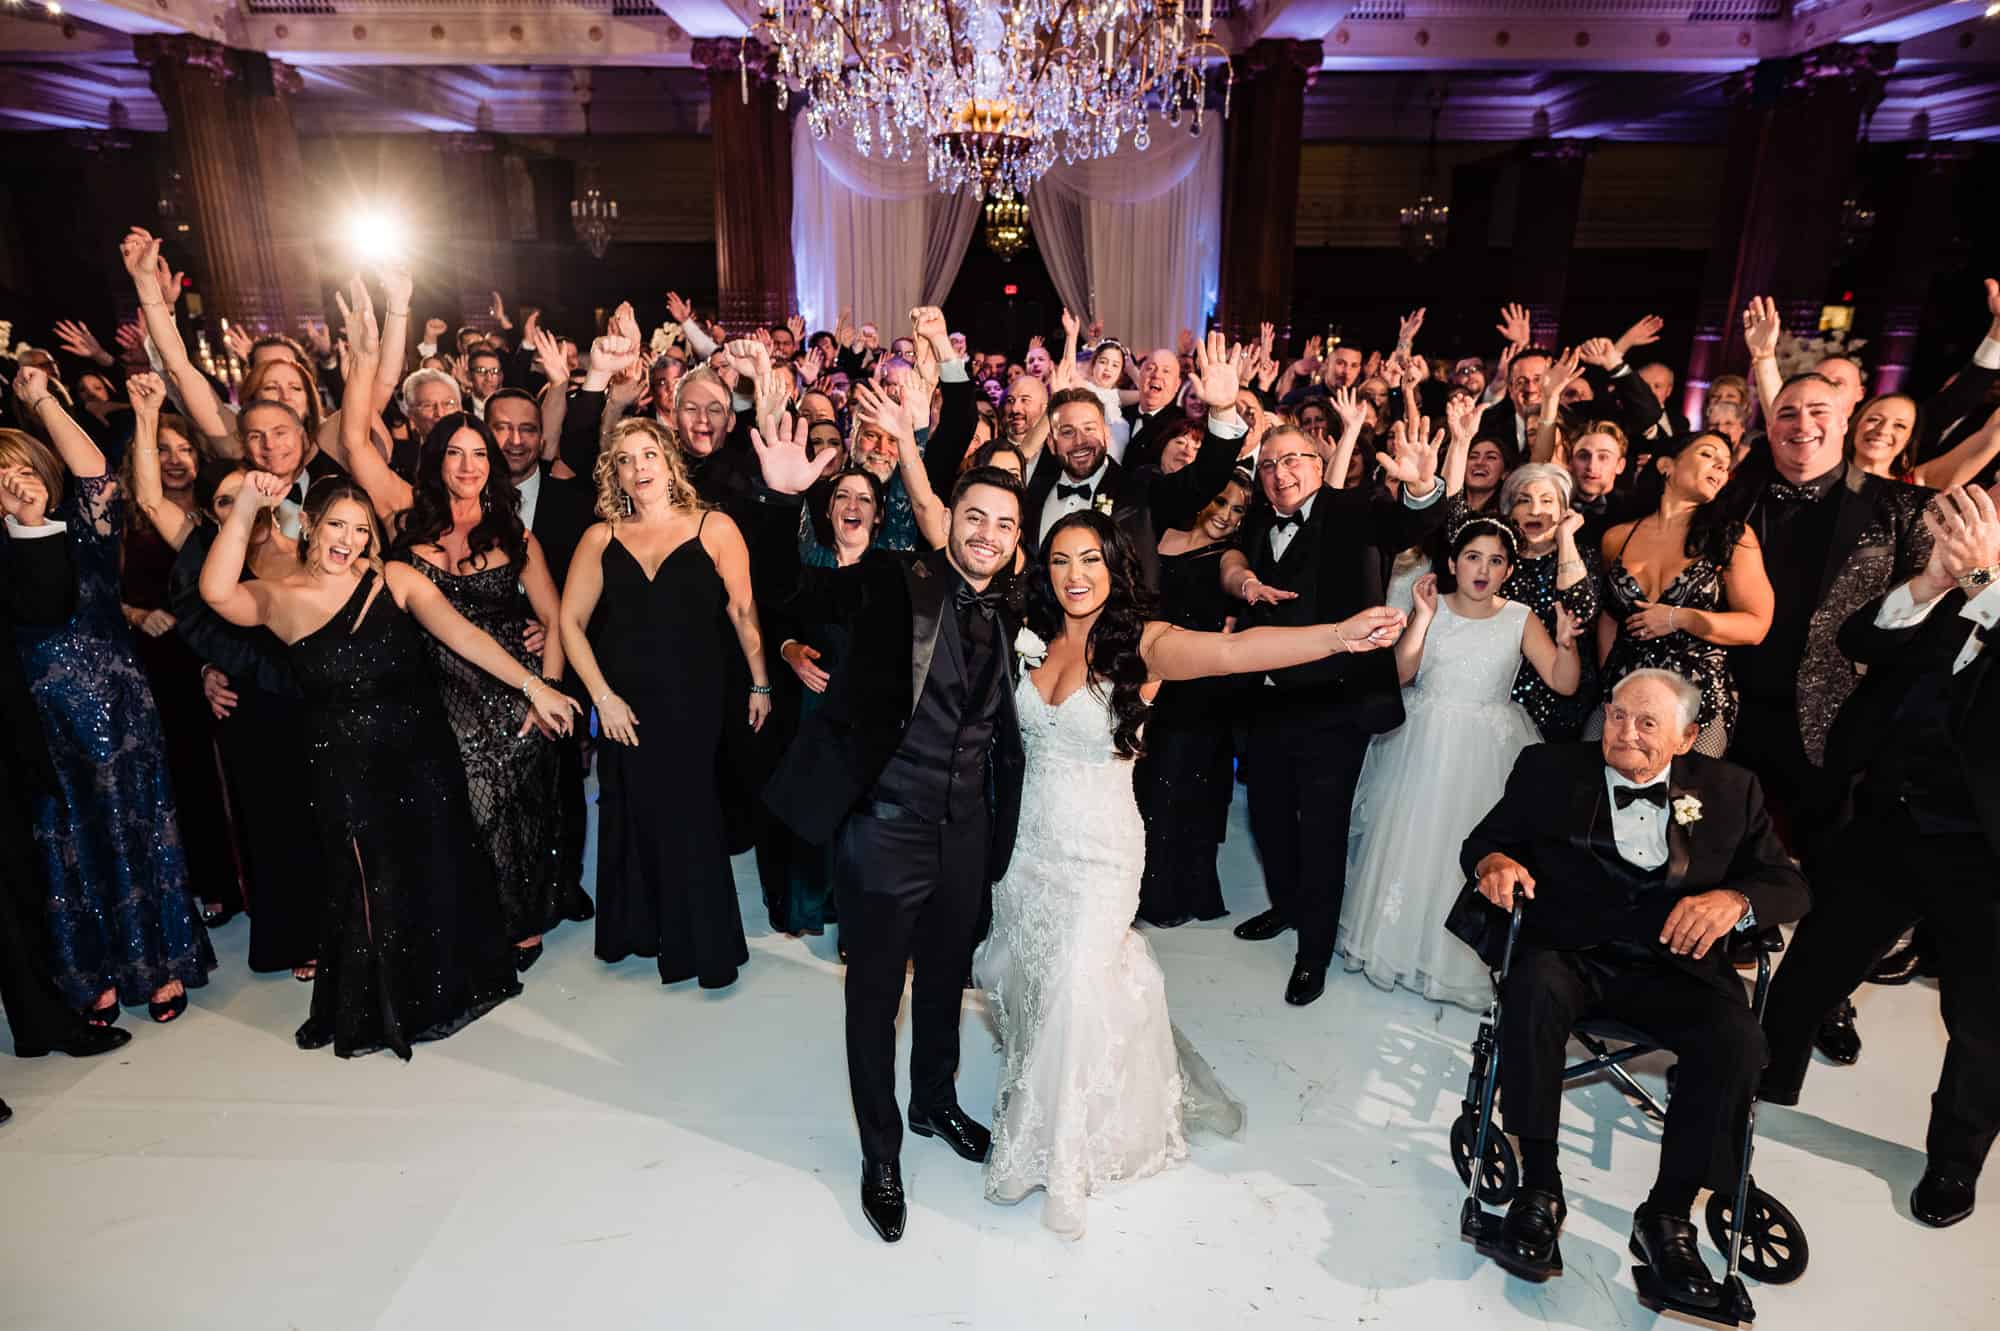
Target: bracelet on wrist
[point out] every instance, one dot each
(398, 314)
(599, 699)
(760, 690)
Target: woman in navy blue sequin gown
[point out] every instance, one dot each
(122, 919)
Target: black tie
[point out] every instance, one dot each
(1284, 522)
(1073, 492)
(1655, 795)
(964, 598)
(1784, 492)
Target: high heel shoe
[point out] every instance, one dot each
(103, 1016)
(525, 957)
(169, 1010)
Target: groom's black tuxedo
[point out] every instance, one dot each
(1590, 941)
(911, 768)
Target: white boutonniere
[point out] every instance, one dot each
(1102, 504)
(1687, 810)
(1031, 650)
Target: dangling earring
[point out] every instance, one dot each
(626, 495)
(482, 503)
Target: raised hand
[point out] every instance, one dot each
(78, 340)
(808, 368)
(434, 331)
(796, 324)
(236, 338)
(1761, 327)
(1514, 326)
(1601, 352)
(317, 336)
(146, 392)
(31, 385)
(1096, 329)
(1219, 371)
(549, 357)
(844, 331)
(927, 325)
(626, 324)
(678, 309)
(1071, 325)
(1414, 459)
(131, 338)
(873, 407)
(1376, 627)
(1965, 530)
(263, 489)
(611, 353)
(531, 323)
(783, 460)
(1267, 370)
(1308, 360)
(1424, 594)
(399, 284)
(1641, 334)
(497, 310)
(170, 282)
(753, 357)
(1406, 331)
(626, 388)
(1351, 409)
(23, 497)
(359, 317)
(140, 253)
(1563, 371)
(1568, 525)
(1267, 340)
(1461, 418)
(1185, 344)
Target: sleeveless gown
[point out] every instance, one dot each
(1098, 1086)
(511, 778)
(1700, 662)
(664, 887)
(1424, 786)
(121, 914)
(412, 946)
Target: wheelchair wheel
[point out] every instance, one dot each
(1774, 1246)
(1499, 1175)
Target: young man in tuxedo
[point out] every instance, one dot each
(1635, 858)
(1310, 558)
(37, 586)
(911, 770)
(1924, 844)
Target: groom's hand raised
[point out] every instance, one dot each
(1501, 876)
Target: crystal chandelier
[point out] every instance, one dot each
(993, 93)
(1006, 226)
(1423, 220)
(593, 216)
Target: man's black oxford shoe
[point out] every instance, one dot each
(1165, 921)
(882, 1199)
(1262, 927)
(1941, 1200)
(1666, 1244)
(1528, 1235)
(1837, 1038)
(88, 1043)
(1307, 983)
(954, 1128)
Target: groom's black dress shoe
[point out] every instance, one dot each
(1307, 983)
(950, 1123)
(882, 1198)
(1666, 1244)
(1261, 927)
(1837, 1038)
(1941, 1200)
(1527, 1244)
(92, 1040)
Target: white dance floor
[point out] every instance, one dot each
(603, 1152)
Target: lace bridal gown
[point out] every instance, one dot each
(1098, 1085)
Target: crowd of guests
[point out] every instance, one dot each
(338, 650)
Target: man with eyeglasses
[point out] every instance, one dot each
(1308, 557)
(488, 376)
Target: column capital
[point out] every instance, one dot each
(1858, 68)
(213, 59)
(726, 55)
(1273, 54)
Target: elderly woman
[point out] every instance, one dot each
(1552, 571)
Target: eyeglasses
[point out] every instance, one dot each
(1288, 461)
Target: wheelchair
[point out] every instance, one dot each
(1768, 1244)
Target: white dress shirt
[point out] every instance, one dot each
(1640, 828)
(1059, 505)
(530, 490)
(1282, 534)
(49, 527)
(1900, 611)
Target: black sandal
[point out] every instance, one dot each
(169, 1010)
(103, 1016)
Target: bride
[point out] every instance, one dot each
(1098, 1086)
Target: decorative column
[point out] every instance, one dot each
(1260, 196)
(753, 183)
(231, 135)
(1913, 238)
(1551, 184)
(1791, 153)
(482, 241)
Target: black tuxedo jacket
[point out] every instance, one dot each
(1333, 565)
(1148, 435)
(894, 607)
(37, 586)
(1894, 660)
(564, 511)
(1555, 818)
(1146, 502)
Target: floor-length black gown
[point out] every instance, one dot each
(664, 887)
(412, 947)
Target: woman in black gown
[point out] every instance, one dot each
(638, 614)
(413, 947)
(1188, 775)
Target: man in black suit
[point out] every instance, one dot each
(1634, 858)
(1157, 413)
(37, 586)
(1309, 558)
(1076, 470)
(558, 506)
(911, 769)
(1924, 844)
(1659, 377)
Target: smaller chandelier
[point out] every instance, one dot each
(593, 216)
(1423, 225)
(1857, 224)
(1006, 226)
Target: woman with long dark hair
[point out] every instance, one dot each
(1682, 585)
(1097, 1086)
(463, 531)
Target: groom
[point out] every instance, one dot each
(911, 768)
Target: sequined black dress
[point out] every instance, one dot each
(510, 778)
(1701, 663)
(412, 947)
(1186, 780)
(664, 887)
(1533, 583)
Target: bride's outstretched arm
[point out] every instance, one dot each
(1175, 653)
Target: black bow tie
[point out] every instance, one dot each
(1284, 521)
(1073, 492)
(966, 599)
(1784, 492)
(1655, 795)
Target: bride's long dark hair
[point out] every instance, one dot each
(1112, 651)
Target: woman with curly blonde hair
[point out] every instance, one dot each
(639, 615)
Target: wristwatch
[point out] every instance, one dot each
(1976, 580)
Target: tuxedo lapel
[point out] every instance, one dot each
(1850, 520)
(928, 586)
(1040, 482)
(1678, 850)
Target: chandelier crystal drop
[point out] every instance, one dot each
(993, 94)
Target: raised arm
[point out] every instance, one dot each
(1410, 644)
(1761, 327)
(1176, 653)
(397, 285)
(1969, 458)
(147, 392)
(875, 409)
(390, 493)
(555, 394)
(247, 604)
(1561, 372)
(79, 455)
(420, 596)
(140, 252)
(1347, 407)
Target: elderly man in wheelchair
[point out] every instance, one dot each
(1605, 883)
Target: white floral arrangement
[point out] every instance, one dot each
(1029, 647)
(1796, 355)
(7, 339)
(1687, 810)
(1102, 504)
(666, 335)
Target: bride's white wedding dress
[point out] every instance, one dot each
(1098, 1086)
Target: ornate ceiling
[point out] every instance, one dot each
(1497, 69)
